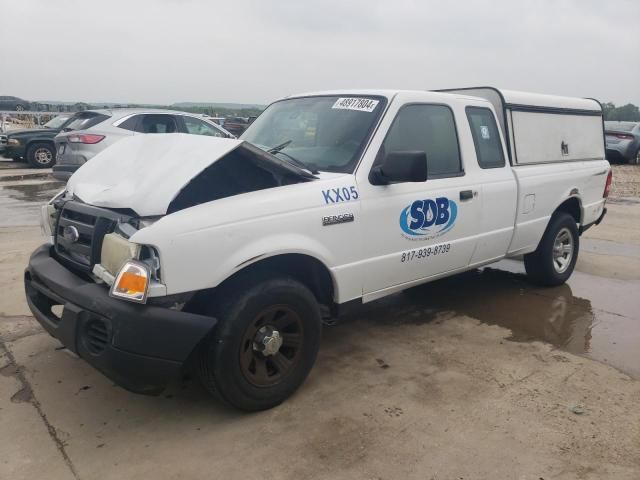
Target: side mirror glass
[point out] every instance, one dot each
(400, 167)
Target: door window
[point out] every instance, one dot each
(158, 124)
(430, 129)
(198, 127)
(485, 137)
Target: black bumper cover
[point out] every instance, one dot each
(64, 172)
(140, 347)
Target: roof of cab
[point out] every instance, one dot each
(511, 97)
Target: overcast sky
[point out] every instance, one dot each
(154, 51)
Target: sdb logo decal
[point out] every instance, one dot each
(426, 219)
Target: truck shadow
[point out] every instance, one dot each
(494, 297)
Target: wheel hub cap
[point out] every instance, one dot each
(268, 341)
(562, 250)
(43, 155)
(271, 346)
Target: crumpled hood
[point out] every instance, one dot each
(144, 173)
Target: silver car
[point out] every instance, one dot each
(622, 141)
(92, 131)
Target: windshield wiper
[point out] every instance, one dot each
(300, 164)
(278, 148)
(292, 159)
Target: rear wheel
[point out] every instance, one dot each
(555, 258)
(41, 155)
(636, 160)
(265, 343)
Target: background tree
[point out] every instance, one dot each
(628, 112)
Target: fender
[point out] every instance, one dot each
(572, 194)
(275, 246)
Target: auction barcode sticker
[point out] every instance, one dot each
(356, 103)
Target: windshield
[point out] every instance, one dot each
(57, 122)
(325, 133)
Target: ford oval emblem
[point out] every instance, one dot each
(70, 233)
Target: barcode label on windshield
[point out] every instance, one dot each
(356, 103)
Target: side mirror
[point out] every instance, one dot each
(400, 167)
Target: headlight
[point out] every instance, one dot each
(117, 250)
(14, 142)
(132, 282)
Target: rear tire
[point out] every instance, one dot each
(636, 159)
(41, 155)
(243, 361)
(555, 258)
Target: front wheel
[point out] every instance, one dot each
(264, 344)
(636, 160)
(555, 258)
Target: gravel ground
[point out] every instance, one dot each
(626, 181)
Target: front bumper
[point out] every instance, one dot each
(625, 150)
(63, 172)
(14, 151)
(140, 347)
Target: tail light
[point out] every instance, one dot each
(88, 138)
(621, 136)
(607, 186)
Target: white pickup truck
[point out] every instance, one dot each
(174, 251)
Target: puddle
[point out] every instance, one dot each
(593, 316)
(20, 203)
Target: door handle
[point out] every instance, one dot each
(466, 195)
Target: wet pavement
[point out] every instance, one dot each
(590, 315)
(22, 193)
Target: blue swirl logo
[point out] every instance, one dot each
(428, 218)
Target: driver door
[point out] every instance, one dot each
(417, 230)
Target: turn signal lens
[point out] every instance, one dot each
(132, 282)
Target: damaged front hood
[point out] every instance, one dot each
(144, 173)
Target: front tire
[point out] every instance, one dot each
(555, 258)
(41, 155)
(264, 344)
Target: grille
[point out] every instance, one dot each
(80, 231)
(3, 139)
(97, 336)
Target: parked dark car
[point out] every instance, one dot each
(13, 103)
(35, 145)
(623, 141)
(236, 125)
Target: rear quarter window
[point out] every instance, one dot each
(486, 137)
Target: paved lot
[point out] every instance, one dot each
(478, 376)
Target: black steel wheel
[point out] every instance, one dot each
(265, 342)
(272, 345)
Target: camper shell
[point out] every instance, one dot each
(542, 128)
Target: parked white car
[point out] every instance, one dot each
(172, 250)
(91, 131)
